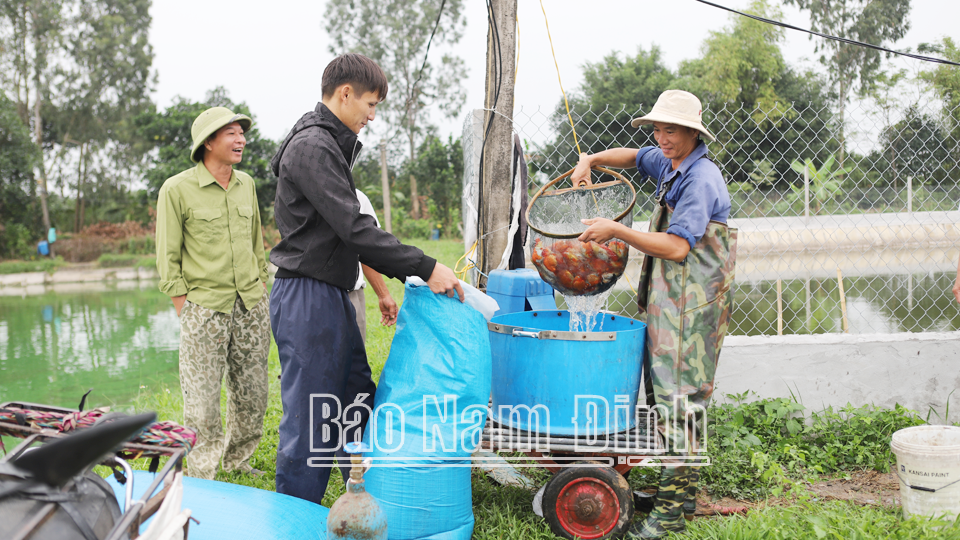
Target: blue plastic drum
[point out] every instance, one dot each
(549, 380)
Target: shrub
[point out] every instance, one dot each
(757, 448)
(115, 260)
(413, 228)
(129, 237)
(17, 242)
(39, 265)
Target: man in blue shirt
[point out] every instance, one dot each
(684, 292)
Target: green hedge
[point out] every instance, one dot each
(118, 260)
(39, 265)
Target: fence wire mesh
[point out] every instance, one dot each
(874, 204)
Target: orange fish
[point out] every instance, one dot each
(550, 262)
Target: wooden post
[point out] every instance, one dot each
(909, 194)
(843, 303)
(414, 198)
(779, 308)
(497, 178)
(909, 291)
(385, 188)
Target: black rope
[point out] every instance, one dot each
(835, 38)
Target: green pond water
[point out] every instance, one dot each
(56, 346)
(874, 304)
(121, 340)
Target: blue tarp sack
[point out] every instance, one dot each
(43, 248)
(430, 409)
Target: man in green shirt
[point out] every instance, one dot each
(211, 262)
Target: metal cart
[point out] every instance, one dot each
(134, 512)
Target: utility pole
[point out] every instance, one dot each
(497, 177)
(385, 187)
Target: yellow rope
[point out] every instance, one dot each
(567, 104)
(461, 274)
(629, 284)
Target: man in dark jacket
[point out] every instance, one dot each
(325, 381)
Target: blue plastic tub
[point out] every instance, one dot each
(578, 384)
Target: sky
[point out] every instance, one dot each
(271, 55)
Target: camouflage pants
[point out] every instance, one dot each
(212, 343)
(359, 301)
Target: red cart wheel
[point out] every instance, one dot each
(588, 502)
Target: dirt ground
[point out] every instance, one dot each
(864, 487)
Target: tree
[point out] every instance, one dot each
(19, 220)
(946, 79)
(738, 79)
(825, 182)
(614, 90)
(78, 71)
(441, 167)
(918, 147)
(32, 34)
(394, 33)
(742, 64)
(852, 67)
(105, 86)
(168, 132)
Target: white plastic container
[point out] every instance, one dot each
(928, 465)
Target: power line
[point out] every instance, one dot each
(429, 41)
(413, 88)
(834, 38)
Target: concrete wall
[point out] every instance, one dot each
(70, 279)
(67, 280)
(917, 371)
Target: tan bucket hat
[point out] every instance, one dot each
(676, 107)
(209, 122)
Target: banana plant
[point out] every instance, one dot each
(825, 182)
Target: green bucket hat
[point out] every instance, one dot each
(209, 122)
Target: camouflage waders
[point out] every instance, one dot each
(211, 343)
(686, 307)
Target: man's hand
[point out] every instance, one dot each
(582, 171)
(443, 280)
(178, 302)
(388, 310)
(956, 288)
(599, 230)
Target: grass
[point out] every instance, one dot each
(107, 260)
(118, 260)
(833, 520)
(40, 265)
(761, 448)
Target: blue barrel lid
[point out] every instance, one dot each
(523, 282)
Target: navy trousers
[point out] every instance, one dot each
(324, 372)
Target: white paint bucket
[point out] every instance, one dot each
(928, 464)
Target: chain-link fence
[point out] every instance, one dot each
(871, 211)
